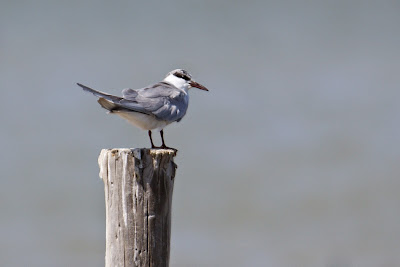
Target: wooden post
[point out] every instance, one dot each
(138, 185)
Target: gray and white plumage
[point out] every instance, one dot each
(152, 107)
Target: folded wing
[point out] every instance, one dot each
(162, 100)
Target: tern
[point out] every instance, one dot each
(152, 107)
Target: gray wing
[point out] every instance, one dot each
(163, 100)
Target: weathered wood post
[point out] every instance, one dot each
(138, 186)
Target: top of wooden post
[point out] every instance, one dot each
(137, 153)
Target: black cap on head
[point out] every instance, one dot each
(183, 74)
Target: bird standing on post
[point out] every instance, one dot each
(152, 107)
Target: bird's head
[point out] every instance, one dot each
(183, 80)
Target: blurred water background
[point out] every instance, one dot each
(291, 159)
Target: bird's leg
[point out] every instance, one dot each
(162, 139)
(163, 142)
(151, 140)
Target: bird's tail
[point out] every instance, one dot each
(110, 106)
(105, 100)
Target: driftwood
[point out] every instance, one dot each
(138, 186)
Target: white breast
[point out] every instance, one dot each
(143, 121)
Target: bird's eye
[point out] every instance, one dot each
(181, 75)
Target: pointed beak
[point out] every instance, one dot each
(197, 85)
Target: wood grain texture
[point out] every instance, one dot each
(138, 186)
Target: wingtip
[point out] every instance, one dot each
(84, 87)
